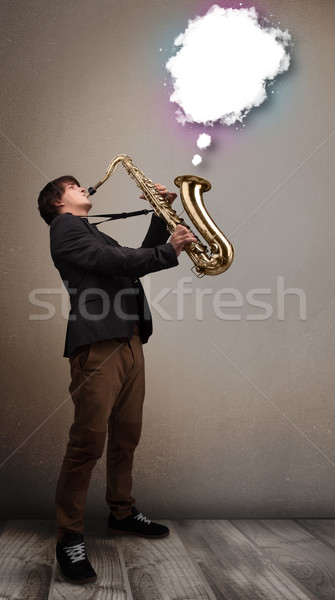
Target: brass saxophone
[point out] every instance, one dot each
(207, 261)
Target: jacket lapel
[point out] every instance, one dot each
(98, 234)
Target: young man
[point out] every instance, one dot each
(108, 322)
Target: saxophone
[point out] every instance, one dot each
(207, 261)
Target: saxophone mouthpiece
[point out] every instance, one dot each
(91, 190)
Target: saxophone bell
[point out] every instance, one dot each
(218, 258)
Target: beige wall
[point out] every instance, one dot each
(239, 416)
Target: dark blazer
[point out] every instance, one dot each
(102, 279)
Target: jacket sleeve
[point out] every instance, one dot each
(72, 243)
(156, 234)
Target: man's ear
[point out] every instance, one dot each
(59, 202)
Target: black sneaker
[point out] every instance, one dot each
(72, 559)
(136, 524)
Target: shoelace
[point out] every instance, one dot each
(141, 517)
(76, 553)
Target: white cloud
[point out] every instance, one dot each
(223, 65)
(204, 140)
(196, 160)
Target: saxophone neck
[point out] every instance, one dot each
(110, 170)
(119, 158)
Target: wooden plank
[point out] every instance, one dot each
(233, 566)
(299, 553)
(162, 570)
(241, 560)
(26, 559)
(103, 553)
(320, 528)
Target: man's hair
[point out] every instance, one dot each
(52, 192)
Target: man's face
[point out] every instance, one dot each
(74, 199)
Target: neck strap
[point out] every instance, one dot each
(124, 215)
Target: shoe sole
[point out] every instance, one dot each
(80, 581)
(135, 534)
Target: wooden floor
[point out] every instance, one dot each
(200, 560)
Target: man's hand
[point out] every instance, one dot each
(181, 238)
(163, 191)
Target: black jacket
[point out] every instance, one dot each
(102, 278)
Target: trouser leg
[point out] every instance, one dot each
(124, 431)
(99, 373)
(84, 448)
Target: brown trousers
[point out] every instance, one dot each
(107, 388)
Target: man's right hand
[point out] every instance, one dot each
(181, 238)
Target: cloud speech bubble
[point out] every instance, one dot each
(223, 66)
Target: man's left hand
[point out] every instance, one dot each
(163, 191)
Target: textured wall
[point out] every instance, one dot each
(239, 417)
